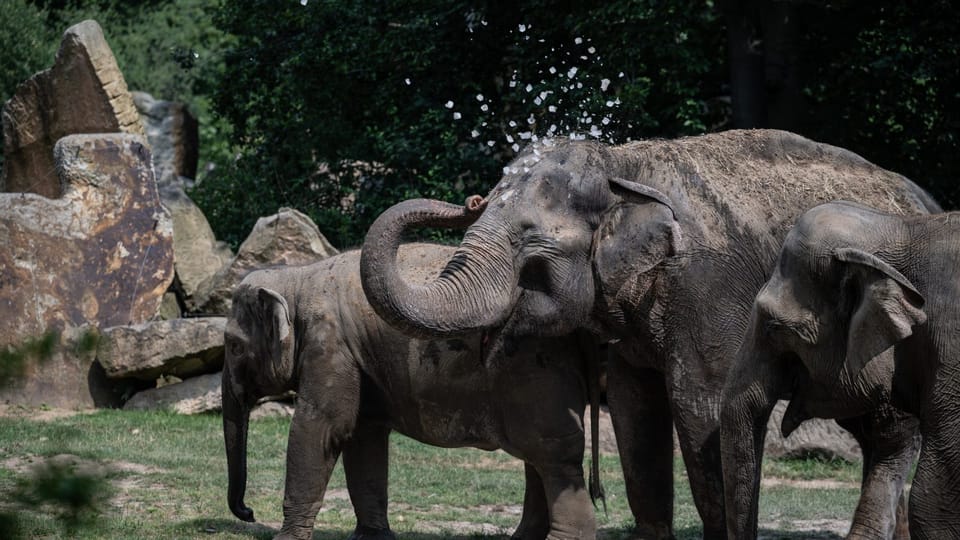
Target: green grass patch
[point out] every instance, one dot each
(167, 479)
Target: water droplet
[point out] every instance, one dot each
(572, 72)
(620, 76)
(509, 139)
(516, 148)
(474, 134)
(604, 83)
(553, 70)
(407, 81)
(592, 50)
(578, 40)
(479, 97)
(448, 104)
(456, 116)
(529, 88)
(522, 28)
(552, 108)
(484, 107)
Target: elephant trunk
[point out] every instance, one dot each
(476, 290)
(236, 417)
(750, 393)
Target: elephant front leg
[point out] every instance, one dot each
(571, 511)
(935, 496)
(888, 440)
(535, 523)
(310, 461)
(642, 422)
(365, 461)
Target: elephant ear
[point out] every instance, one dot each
(886, 307)
(275, 318)
(634, 237)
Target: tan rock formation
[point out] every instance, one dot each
(102, 254)
(84, 92)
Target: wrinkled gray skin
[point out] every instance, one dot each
(310, 329)
(862, 310)
(661, 245)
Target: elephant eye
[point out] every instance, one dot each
(236, 348)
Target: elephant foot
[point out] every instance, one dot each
(531, 530)
(371, 533)
(652, 532)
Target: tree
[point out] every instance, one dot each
(343, 108)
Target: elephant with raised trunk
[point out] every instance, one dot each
(310, 329)
(862, 310)
(658, 246)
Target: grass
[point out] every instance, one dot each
(168, 478)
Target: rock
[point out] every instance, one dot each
(272, 409)
(169, 307)
(102, 254)
(197, 254)
(192, 396)
(173, 135)
(84, 92)
(180, 347)
(69, 378)
(814, 437)
(286, 238)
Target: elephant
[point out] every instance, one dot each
(310, 329)
(657, 247)
(861, 311)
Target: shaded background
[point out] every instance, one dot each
(341, 108)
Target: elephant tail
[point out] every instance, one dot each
(593, 396)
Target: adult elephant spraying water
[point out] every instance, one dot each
(659, 246)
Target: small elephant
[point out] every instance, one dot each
(310, 329)
(862, 311)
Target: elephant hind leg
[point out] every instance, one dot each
(365, 463)
(535, 522)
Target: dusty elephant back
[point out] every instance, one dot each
(762, 180)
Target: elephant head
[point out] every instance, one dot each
(822, 332)
(258, 362)
(565, 222)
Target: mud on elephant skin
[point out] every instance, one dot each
(861, 312)
(310, 329)
(659, 244)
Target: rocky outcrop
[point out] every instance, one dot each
(173, 135)
(179, 347)
(67, 377)
(815, 437)
(84, 92)
(197, 254)
(102, 254)
(286, 238)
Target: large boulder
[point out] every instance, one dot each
(173, 134)
(179, 347)
(286, 238)
(84, 92)
(66, 377)
(102, 254)
(815, 437)
(197, 254)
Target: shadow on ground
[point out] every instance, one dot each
(261, 531)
